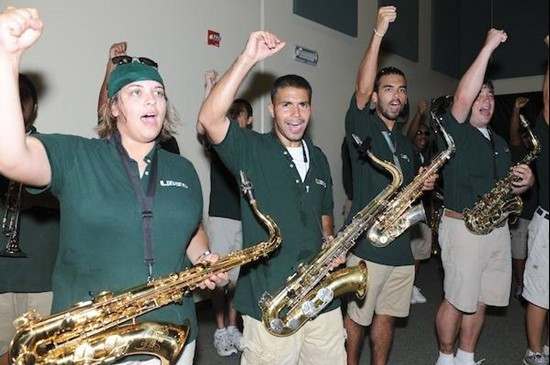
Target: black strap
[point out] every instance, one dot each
(393, 149)
(145, 202)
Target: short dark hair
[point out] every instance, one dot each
(240, 105)
(291, 81)
(489, 84)
(386, 71)
(27, 90)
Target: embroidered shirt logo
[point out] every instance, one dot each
(177, 184)
(320, 182)
(405, 157)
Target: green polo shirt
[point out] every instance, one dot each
(38, 238)
(369, 180)
(476, 165)
(541, 131)
(224, 191)
(101, 240)
(294, 205)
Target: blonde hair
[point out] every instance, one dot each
(107, 124)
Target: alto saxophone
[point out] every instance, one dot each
(11, 221)
(95, 332)
(495, 206)
(313, 286)
(399, 214)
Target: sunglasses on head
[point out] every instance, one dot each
(120, 60)
(425, 133)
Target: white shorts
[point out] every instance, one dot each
(535, 277)
(519, 232)
(14, 305)
(421, 241)
(225, 236)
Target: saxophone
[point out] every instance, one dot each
(312, 287)
(94, 332)
(495, 206)
(399, 214)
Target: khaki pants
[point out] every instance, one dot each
(14, 305)
(318, 342)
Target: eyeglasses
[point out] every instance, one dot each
(120, 60)
(423, 133)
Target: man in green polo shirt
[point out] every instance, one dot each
(477, 267)
(536, 268)
(293, 184)
(391, 268)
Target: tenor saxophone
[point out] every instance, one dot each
(495, 206)
(312, 287)
(95, 332)
(400, 213)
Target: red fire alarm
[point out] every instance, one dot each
(214, 38)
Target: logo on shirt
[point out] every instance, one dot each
(177, 184)
(405, 157)
(320, 182)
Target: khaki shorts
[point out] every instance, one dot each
(535, 278)
(421, 241)
(318, 342)
(477, 267)
(519, 233)
(225, 236)
(389, 292)
(14, 305)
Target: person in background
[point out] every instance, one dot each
(224, 227)
(27, 281)
(519, 146)
(100, 185)
(535, 279)
(421, 234)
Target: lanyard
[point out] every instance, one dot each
(145, 202)
(393, 150)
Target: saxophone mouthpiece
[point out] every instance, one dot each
(363, 147)
(246, 186)
(524, 122)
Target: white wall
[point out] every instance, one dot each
(73, 50)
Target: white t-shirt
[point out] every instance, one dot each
(300, 156)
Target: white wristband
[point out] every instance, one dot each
(377, 32)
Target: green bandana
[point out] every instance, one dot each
(127, 73)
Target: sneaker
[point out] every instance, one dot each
(222, 344)
(535, 359)
(235, 338)
(417, 297)
(518, 291)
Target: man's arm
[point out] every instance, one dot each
(22, 158)
(117, 49)
(367, 69)
(212, 115)
(415, 122)
(471, 82)
(210, 79)
(515, 137)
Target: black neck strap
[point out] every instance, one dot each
(145, 201)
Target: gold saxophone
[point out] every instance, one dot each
(400, 213)
(495, 206)
(11, 220)
(313, 286)
(94, 332)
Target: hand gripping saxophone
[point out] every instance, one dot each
(400, 213)
(313, 286)
(495, 206)
(95, 332)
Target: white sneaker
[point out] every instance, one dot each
(235, 338)
(222, 344)
(417, 297)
